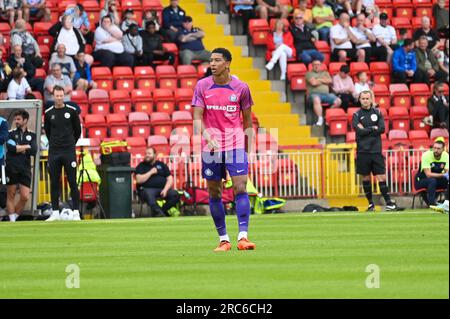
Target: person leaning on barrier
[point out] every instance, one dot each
(21, 146)
(154, 181)
(433, 171)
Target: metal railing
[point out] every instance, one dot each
(305, 172)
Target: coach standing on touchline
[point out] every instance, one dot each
(368, 124)
(63, 129)
(21, 146)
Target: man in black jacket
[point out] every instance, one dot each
(153, 180)
(304, 41)
(152, 46)
(21, 146)
(63, 129)
(368, 124)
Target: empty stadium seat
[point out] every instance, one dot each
(99, 101)
(187, 76)
(350, 137)
(258, 30)
(419, 139)
(350, 112)
(381, 72)
(399, 118)
(183, 98)
(145, 76)
(439, 132)
(140, 124)
(123, 77)
(164, 100)
(95, 126)
(142, 100)
(404, 9)
(417, 114)
(118, 125)
(182, 122)
(337, 121)
(398, 139)
(420, 93)
(382, 96)
(161, 124)
(137, 147)
(120, 101)
(334, 67)
(166, 76)
(400, 95)
(160, 144)
(356, 67)
(102, 75)
(80, 98)
(296, 76)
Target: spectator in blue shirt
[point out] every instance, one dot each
(190, 43)
(173, 17)
(404, 65)
(82, 79)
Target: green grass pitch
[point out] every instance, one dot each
(298, 256)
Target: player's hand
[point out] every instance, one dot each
(375, 128)
(360, 126)
(213, 144)
(164, 193)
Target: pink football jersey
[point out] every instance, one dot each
(222, 105)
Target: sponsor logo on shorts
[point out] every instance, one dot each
(208, 172)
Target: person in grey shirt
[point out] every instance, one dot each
(57, 78)
(132, 43)
(66, 62)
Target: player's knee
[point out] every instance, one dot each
(361, 54)
(215, 192)
(342, 55)
(432, 182)
(240, 188)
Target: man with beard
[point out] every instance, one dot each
(154, 181)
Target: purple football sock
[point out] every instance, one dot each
(243, 211)
(218, 215)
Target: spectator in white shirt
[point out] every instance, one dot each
(341, 38)
(18, 88)
(364, 37)
(66, 62)
(109, 50)
(362, 85)
(386, 39)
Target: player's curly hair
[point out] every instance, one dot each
(225, 53)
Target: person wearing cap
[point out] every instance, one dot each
(190, 43)
(128, 20)
(386, 39)
(173, 17)
(404, 64)
(433, 171)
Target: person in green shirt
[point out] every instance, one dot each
(433, 171)
(323, 17)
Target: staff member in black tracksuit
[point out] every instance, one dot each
(21, 145)
(63, 129)
(368, 123)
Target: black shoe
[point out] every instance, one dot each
(392, 206)
(371, 207)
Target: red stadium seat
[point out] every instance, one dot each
(80, 98)
(137, 147)
(102, 75)
(337, 121)
(417, 114)
(424, 12)
(420, 93)
(91, 5)
(182, 122)
(123, 77)
(5, 28)
(385, 115)
(419, 139)
(145, 76)
(399, 118)
(350, 112)
(153, 5)
(118, 125)
(398, 139)
(164, 100)
(140, 124)
(187, 75)
(45, 40)
(41, 28)
(166, 76)
(95, 125)
(400, 95)
(142, 100)
(356, 67)
(161, 123)
(400, 22)
(324, 48)
(99, 101)
(416, 23)
(120, 101)
(180, 145)
(404, 9)
(382, 96)
(381, 72)
(132, 4)
(334, 67)
(296, 76)
(94, 17)
(183, 99)
(350, 137)
(258, 30)
(439, 132)
(160, 144)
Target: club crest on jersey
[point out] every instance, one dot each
(28, 138)
(53, 117)
(233, 98)
(374, 117)
(67, 115)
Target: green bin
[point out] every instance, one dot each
(115, 190)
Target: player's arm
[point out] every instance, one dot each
(47, 127)
(199, 127)
(11, 145)
(76, 126)
(32, 147)
(430, 174)
(141, 178)
(359, 128)
(380, 128)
